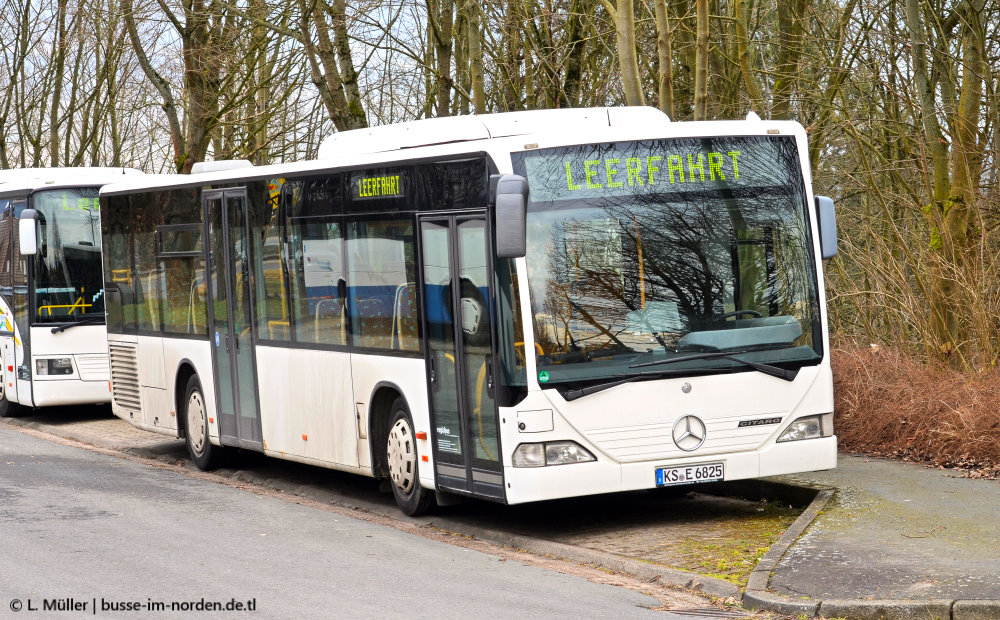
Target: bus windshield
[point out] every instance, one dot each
(646, 251)
(68, 281)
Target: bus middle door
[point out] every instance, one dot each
(231, 317)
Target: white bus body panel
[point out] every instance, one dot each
(89, 382)
(314, 404)
(306, 402)
(408, 374)
(157, 361)
(152, 384)
(628, 453)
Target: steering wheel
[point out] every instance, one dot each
(727, 315)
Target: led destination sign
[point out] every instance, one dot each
(366, 187)
(655, 166)
(642, 171)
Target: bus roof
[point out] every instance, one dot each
(436, 137)
(27, 180)
(446, 130)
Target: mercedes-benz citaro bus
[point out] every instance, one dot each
(52, 335)
(514, 307)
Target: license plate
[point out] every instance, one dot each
(687, 474)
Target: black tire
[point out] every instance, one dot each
(401, 461)
(7, 408)
(204, 455)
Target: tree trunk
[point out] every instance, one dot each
(665, 67)
(628, 63)
(701, 62)
(791, 14)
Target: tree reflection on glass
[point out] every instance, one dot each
(628, 272)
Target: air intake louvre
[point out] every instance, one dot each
(93, 367)
(125, 376)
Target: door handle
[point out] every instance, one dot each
(489, 376)
(433, 372)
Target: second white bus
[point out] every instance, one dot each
(52, 336)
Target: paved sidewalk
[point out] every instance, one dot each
(895, 540)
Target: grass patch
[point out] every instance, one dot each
(744, 540)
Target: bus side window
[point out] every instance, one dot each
(271, 294)
(318, 308)
(381, 284)
(148, 282)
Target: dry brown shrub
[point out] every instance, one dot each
(888, 404)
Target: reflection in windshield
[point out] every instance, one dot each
(68, 277)
(619, 277)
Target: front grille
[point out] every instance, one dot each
(125, 376)
(629, 444)
(93, 367)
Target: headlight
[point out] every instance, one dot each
(808, 427)
(54, 366)
(551, 453)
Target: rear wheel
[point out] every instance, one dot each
(203, 453)
(401, 457)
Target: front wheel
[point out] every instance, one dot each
(401, 457)
(203, 453)
(7, 408)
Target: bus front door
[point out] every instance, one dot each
(456, 289)
(231, 318)
(8, 357)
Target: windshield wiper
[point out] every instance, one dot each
(88, 321)
(767, 369)
(592, 389)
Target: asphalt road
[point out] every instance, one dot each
(94, 532)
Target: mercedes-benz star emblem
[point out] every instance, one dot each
(689, 433)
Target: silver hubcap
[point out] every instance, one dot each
(402, 456)
(196, 422)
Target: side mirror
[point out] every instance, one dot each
(511, 216)
(27, 229)
(827, 226)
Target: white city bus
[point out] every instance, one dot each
(515, 307)
(52, 335)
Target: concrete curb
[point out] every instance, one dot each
(602, 559)
(756, 596)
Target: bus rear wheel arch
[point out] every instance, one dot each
(195, 419)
